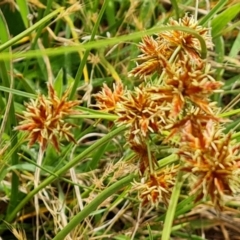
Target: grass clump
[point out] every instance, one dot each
(104, 137)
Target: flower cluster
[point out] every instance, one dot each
(144, 112)
(172, 105)
(157, 187)
(44, 119)
(107, 99)
(156, 52)
(213, 164)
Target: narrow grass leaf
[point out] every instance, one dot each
(221, 21)
(187, 236)
(23, 8)
(105, 43)
(231, 83)
(17, 38)
(150, 235)
(92, 206)
(97, 157)
(167, 228)
(85, 56)
(17, 92)
(111, 14)
(218, 7)
(176, 8)
(58, 83)
(235, 47)
(220, 49)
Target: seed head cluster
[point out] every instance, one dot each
(172, 106)
(44, 119)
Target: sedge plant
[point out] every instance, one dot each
(106, 139)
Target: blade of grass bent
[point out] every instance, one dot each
(106, 42)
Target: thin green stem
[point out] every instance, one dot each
(235, 135)
(101, 43)
(39, 32)
(172, 207)
(30, 29)
(149, 157)
(229, 113)
(63, 170)
(85, 56)
(36, 181)
(17, 92)
(168, 160)
(96, 116)
(176, 8)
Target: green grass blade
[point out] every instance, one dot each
(105, 43)
(85, 56)
(58, 83)
(211, 14)
(172, 207)
(17, 92)
(235, 47)
(111, 13)
(176, 8)
(30, 29)
(93, 163)
(221, 21)
(93, 206)
(23, 8)
(219, 47)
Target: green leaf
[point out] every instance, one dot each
(211, 14)
(176, 8)
(85, 56)
(30, 29)
(111, 13)
(102, 44)
(221, 20)
(58, 83)
(167, 228)
(92, 206)
(220, 50)
(23, 167)
(97, 157)
(23, 8)
(235, 47)
(17, 92)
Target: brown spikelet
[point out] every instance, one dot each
(189, 44)
(153, 58)
(157, 187)
(212, 162)
(107, 99)
(44, 119)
